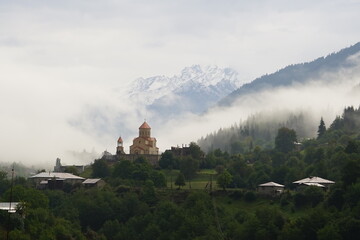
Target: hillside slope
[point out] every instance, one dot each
(299, 73)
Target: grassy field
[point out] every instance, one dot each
(200, 181)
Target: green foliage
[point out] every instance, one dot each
(195, 151)
(249, 196)
(224, 179)
(34, 198)
(141, 171)
(352, 195)
(4, 182)
(321, 129)
(285, 139)
(180, 180)
(148, 194)
(314, 195)
(310, 195)
(336, 197)
(329, 232)
(189, 166)
(349, 227)
(351, 172)
(158, 178)
(168, 161)
(110, 228)
(123, 169)
(100, 168)
(136, 205)
(72, 170)
(353, 147)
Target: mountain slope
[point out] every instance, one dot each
(296, 97)
(298, 73)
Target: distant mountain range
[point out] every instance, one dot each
(299, 73)
(194, 90)
(339, 72)
(200, 90)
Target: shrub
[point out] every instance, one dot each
(250, 196)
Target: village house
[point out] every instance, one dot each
(271, 188)
(314, 181)
(54, 179)
(94, 182)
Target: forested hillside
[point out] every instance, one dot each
(258, 130)
(299, 73)
(210, 196)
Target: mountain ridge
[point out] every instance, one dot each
(203, 86)
(296, 73)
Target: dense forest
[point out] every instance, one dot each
(206, 196)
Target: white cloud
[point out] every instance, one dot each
(57, 57)
(325, 97)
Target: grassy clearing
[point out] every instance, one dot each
(200, 181)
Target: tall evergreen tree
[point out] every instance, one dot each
(322, 128)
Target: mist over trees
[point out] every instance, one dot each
(138, 203)
(258, 130)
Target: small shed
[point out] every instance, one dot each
(94, 182)
(271, 188)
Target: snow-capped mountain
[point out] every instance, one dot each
(158, 99)
(194, 90)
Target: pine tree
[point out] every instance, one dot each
(321, 129)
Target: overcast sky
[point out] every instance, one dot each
(58, 56)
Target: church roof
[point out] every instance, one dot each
(120, 140)
(145, 125)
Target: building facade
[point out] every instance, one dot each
(143, 146)
(144, 143)
(62, 168)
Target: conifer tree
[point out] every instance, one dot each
(321, 129)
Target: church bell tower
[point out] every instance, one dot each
(120, 147)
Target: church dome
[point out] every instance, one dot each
(145, 125)
(120, 140)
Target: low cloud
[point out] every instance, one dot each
(325, 97)
(64, 67)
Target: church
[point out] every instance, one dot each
(143, 145)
